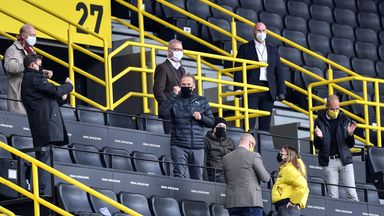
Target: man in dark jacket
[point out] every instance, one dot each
(334, 138)
(216, 146)
(189, 115)
(41, 100)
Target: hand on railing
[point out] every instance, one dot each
(68, 81)
(280, 97)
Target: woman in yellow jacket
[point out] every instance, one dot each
(290, 191)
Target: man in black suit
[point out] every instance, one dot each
(271, 76)
(168, 75)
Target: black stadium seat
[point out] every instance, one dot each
(319, 43)
(375, 170)
(381, 52)
(232, 3)
(199, 9)
(271, 19)
(367, 193)
(163, 206)
(117, 159)
(295, 36)
(314, 62)
(381, 36)
(22, 142)
(194, 208)
(150, 124)
(214, 35)
(68, 112)
(363, 66)
(343, 31)
(342, 46)
(166, 165)
(350, 4)
(102, 207)
(90, 115)
(291, 54)
(366, 50)
(4, 153)
(317, 186)
(295, 23)
(319, 27)
(218, 210)
(146, 163)
(328, 3)
(86, 155)
(271, 39)
(369, 20)
(247, 13)
(256, 5)
(244, 30)
(366, 35)
(319, 12)
(380, 69)
(275, 6)
(120, 120)
(171, 14)
(345, 17)
(341, 74)
(61, 154)
(136, 202)
(340, 59)
(220, 15)
(299, 9)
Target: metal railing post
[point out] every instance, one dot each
(35, 177)
(72, 98)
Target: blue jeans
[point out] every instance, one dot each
(246, 211)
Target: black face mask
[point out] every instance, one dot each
(220, 132)
(186, 91)
(279, 157)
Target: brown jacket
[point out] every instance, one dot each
(243, 171)
(166, 76)
(13, 65)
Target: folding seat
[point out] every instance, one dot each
(73, 199)
(22, 142)
(116, 159)
(367, 193)
(166, 165)
(340, 59)
(295, 23)
(86, 155)
(232, 3)
(215, 36)
(194, 208)
(369, 20)
(244, 30)
(319, 12)
(319, 27)
(381, 52)
(343, 31)
(4, 153)
(275, 6)
(341, 74)
(150, 124)
(136, 202)
(291, 54)
(221, 15)
(102, 207)
(319, 43)
(256, 5)
(199, 9)
(367, 6)
(90, 115)
(169, 13)
(313, 61)
(3, 103)
(317, 186)
(366, 35)
(247, 13)
(363, 66)
(68, 113)
(120, 120)
(366, 50)
(375, 164)
(235, 134)
(218, 210)
(146, 163)
(342, 46)
(163, 206)
(381, 36)
(299, 9)
(271, 19)
(272, 40)
(61, 154)
(265, 141)
(345, 17)
(295, 36)
(350, 4)
(328, 3)
(380, 69)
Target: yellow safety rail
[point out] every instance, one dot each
(247, 88)
(6, 211)
(35, 181)
(71, 47)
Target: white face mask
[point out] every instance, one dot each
(177, 56)
(261, 36)
(31, 40)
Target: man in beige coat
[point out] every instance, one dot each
(243, 171)
(13, 64)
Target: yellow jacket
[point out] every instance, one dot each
(290, 183)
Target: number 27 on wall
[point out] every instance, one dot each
(81, 6)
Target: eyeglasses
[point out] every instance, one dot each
(176, 49)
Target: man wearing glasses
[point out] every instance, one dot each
(333, 139)
(168, 75)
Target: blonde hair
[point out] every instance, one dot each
(293, 157)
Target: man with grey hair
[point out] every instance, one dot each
(334, 138)
(168, 75)
(243, 171)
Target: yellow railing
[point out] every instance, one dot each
(35, 181)
(247, 88)
(5, 211)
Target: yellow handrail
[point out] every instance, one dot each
(6, 211)
(35, 195)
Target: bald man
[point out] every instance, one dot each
(271, 76)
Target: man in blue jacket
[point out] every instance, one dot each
(189, 115)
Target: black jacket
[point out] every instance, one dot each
(41, 100)
(187, 132)
(215, 149)
(344, 141)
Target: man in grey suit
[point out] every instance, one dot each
(243, 170)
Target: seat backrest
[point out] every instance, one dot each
(265, 140)
(68, 113)
(90, 115)
(86, 155)
(367, 6)
(232, 3)
(117, 159)
(340, 59)
(256, 5)
(291, 54)
(218, 210)
(295, 23)
(163, 206)
(61, 154)
(328, 3)
(369, 20)
(102, 207)
(247, 13)
(321, 12)
(298, 8)
(342, 46)
(366, 50)
(194, 208)
(313, 61)
(363, 66)
(317, 186)
(351, 4)
(170, 13)
(295, 36)
(221, 15)
(136, 202)
(366, 35)
(319, 43)
(319, 27)
(146, 162)
(271, 19)
(235, 134)
(244, 30)
(73, 199)
(343, 31)
(345, 17)
(166, 165)
(3, 102)
(4, 153)
(275, 6)
(120, 120)
(376, 159)
(150, 124)
(221, 23)
(199, 9)
(22, 142)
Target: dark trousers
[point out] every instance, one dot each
(261, 101)
(44, 177)
(291, 211)
(187, 156)
(246, 211)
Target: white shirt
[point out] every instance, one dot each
(262, 54)
(175, 64)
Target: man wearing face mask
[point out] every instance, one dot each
(168, 75)
(271, 76)
(189, 114)
(333, 139)
(216, 146)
